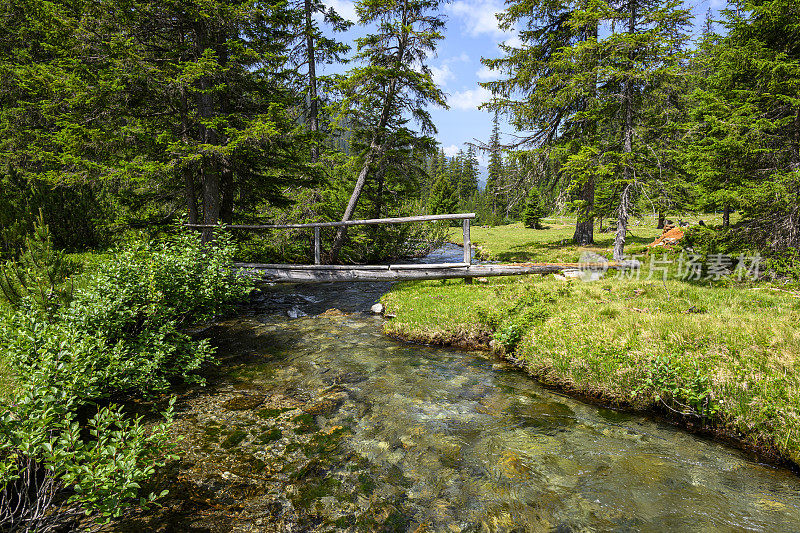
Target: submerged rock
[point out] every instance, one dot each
(327, 404)
(240, 403)
(333, 313)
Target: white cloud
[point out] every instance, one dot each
(451, 150)
(442, 74)
(469, 99)
(479, 17)
(345, 8)
(514, 41)
(485, 73)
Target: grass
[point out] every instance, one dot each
(718, 354)
(516, 243)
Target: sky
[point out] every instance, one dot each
(471, 32)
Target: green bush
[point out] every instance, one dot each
(45, 449)
(119, 334)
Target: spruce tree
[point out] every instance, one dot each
(494, 192)
(643, 58)
(550, 89)
(468, 185)
(759, 120)
(534, 209)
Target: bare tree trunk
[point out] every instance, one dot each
(622, 223)
(627, 149)
(726, 215)
(661, 220)
(313, 104)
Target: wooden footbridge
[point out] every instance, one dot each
(319, 273)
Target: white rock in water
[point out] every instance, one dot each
(377, 309)
(295, 312)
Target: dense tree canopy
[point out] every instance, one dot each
(121, 118)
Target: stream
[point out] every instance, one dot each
(315, 421)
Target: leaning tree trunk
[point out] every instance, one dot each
(373, 154)
(376, 148)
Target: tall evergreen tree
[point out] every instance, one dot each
(312, 48)
(643, 59)
(551, 85)
(468, 185)
(754, 116)
(495, 179)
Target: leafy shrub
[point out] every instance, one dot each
(44, 449)
(121, 332)
(681, 385)
(509, 336)
(118, 334)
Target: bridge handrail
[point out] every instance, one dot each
(365, 222)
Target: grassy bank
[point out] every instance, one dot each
(721, 355)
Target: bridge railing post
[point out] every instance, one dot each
(467, 247)
(317, 247)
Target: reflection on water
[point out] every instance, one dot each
(324, 424)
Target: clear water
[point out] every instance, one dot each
(321, 423)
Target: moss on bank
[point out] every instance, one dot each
(720, 357)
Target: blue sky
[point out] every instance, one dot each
(470, 33)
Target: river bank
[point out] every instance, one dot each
(721, 359)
